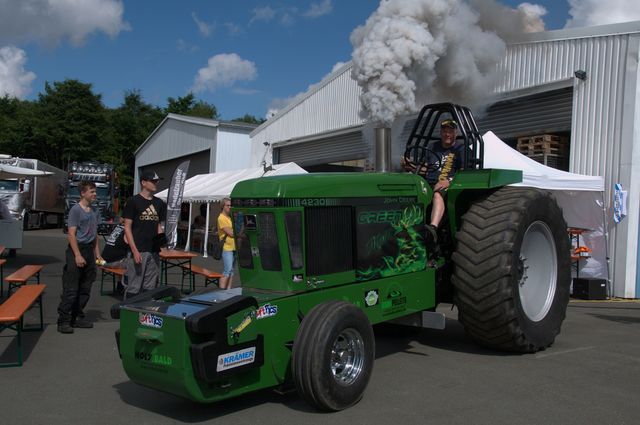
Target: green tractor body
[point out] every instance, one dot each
(321, 257)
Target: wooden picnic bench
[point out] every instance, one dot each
(209, 276)
(12, 314)
(113, 272)
(22, 275)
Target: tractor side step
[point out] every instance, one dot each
(422, 319)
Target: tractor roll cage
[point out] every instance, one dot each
(424, 132)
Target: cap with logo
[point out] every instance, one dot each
(149, 175)
(449, 123)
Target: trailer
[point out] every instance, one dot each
(35, 198)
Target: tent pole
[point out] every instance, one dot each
(187, 244)
(206, 233)
(610, 284)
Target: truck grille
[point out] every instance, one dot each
(329, 238)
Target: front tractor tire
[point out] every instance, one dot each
(333, 356)
(512, 270)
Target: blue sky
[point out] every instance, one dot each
(260, 53)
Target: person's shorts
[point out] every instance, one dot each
(442, 191)
(227, 261)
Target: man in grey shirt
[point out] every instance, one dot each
(80, 268)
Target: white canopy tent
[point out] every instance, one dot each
(581, 198)
(214, 187)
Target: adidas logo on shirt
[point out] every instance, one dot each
(150, 214)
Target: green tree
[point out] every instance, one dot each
(69, 125)
(17, 122)
(187, 105)
(249, 119)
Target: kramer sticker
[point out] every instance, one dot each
(371, 298)
(297, 278)
(266, 310)
(150, 320)
(236, 358)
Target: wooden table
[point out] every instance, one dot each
(174, 258)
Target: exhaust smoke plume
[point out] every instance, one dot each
(411, 52)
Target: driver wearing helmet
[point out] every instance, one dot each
(442, 162)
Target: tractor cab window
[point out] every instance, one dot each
(268, 242)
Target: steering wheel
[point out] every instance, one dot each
(424, 154)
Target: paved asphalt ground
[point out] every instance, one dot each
(591, 375)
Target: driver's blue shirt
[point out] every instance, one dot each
(450, 162)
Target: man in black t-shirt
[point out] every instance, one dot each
(445, 159)
(143, 215)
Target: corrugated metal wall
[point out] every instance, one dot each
(175, 139)
(335, 105)
(598, 100)
(233, 151)
(546, 112)
(598, 108)
(343, 147)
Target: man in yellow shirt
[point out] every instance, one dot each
(225, 228)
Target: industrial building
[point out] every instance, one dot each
(210, 145)
(582, 84)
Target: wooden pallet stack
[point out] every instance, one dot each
(548, 149)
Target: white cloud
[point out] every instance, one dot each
(15, 81)
(262, 14)
(585, 13)
(184, 46)
(224, 70)
(233, 29)
(287, 19)
(49, 22)
(319, 9)
(203, 28)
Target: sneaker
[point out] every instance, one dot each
(65, 328)
(82, 323)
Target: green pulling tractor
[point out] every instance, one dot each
(323, 257)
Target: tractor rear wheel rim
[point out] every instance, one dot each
(347, 357)
(538, 271)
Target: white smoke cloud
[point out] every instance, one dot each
(507, 22)
(224, 70)
(585, 13)
(15, 81)
(411, 52)
(49, 22)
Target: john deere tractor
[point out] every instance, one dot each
(323, 257)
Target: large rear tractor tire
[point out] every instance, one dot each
(512, 270)
(333, 356)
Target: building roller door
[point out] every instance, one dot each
(325, 149)
(541, 113)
